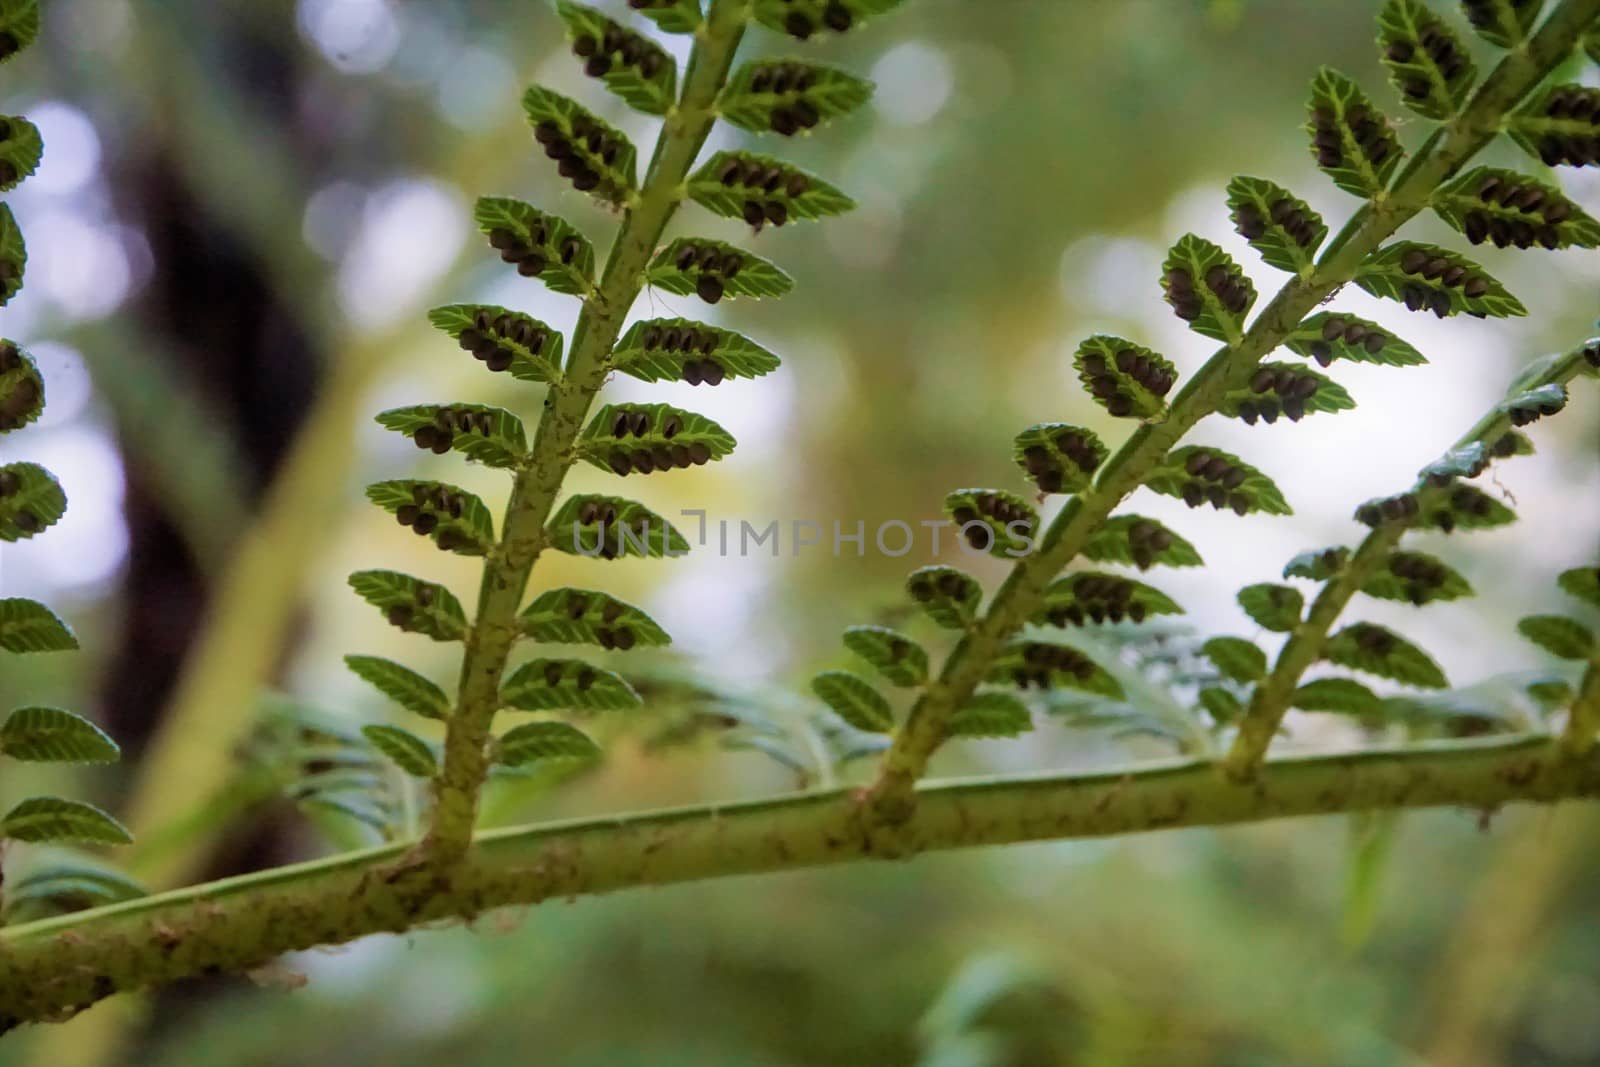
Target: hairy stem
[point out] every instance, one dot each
(892, 795)
(1271, 699)
(538, 479)
(57, 966)
(187, 773)
(1583, 721)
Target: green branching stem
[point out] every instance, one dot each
(1583, 721)
(51, 968)
(892, 795)
(1272, 697)
(538, 479)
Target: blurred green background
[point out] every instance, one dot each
(247, 207)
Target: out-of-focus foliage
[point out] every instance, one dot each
(1019, 181)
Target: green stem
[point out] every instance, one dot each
(538, 479)
(54, 967)
(1583, 721)
(1022, 592)
(1272, 697)
(250, 619)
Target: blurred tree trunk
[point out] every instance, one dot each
(212, 312)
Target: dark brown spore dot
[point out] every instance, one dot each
(837, 17)
(798, 25)
(27, 522)
(708, 289)
(1248, 222)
